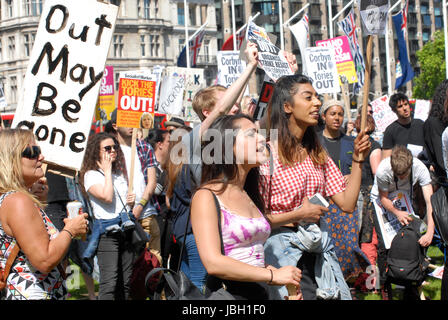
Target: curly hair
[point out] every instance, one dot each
(439, 105)
(92, 157)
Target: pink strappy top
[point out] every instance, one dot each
(244, 237)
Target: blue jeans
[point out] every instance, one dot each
(98, 229)
(191, 263)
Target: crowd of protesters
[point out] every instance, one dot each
(239, 201)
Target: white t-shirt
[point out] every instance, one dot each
(384, 178)
(101, 209)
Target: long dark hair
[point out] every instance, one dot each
(289, 145)
(226, 170)
(92, 157)
(439, 105)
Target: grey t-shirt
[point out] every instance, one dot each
(384, 178)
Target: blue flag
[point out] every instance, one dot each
(404, 72)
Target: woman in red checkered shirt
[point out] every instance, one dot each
(301, 168)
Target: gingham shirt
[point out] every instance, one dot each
(290, 184)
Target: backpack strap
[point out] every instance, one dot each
(5, 273)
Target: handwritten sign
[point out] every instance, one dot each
(136, 99)
(422, 108)
(374, 15)
(63, 77)
(172, 92)
(270, 58)
(382, 113)
(342, 56)
(321, 67)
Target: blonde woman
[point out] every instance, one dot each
(36, 273)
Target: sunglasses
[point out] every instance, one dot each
(108, 149)
(32, 152)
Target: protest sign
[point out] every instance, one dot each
(172, 92)
(382, 113)
(270, 58)
(265, 96)
(136, 98)
(342, 56)
(194, 81)
(321, 67)
(374, 15)
(230, 67)
(157, 72)
(422, 108)
(106, 99)
(63, 77)
(389, 224)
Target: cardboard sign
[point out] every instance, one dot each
(230, 67)
(194, 81)
(265, 96)
(422, 108)
(342, 55)
(382, 113)
(270, 58)
(136, 99)
(321, 67)
(106, 99)
(63, 77)
(374, 15)
(172, 92)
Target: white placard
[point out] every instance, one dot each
(230, 67)
(422, 108)
(321, 67)
(382, 113)
(172, 94)
(63, 78)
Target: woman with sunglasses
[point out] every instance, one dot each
(36, 272)
(300, 167)
(104, 178)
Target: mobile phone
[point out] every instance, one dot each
(319, 200)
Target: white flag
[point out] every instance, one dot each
(301, 32)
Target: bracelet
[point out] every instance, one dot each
(71, 235)
(143, 202)
(357, 161)
(272, 276)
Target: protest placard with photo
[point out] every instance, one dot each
(321, 67)
(382, 113)
(136, 99)
(270, 58)
(106, 99)
(374, 16)
(63, 78)
(342, 56)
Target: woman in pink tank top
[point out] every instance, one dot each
(230, 168)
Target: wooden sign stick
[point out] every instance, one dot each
(346, 99)
(365, 97)
(133, 152)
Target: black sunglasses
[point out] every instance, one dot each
(32, 152)
(108, 149)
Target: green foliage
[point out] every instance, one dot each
(432, 65)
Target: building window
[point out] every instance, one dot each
(205, 50)
(117, 81)
(12, 47)
(32, 7)
(13, 89)
(28, 41)
(10, 8)
(154, 42)
(180, 14)
(192, 17)
(1, 50)
(427, 19)
(118, 46)
(143, 45)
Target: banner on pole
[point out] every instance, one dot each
(172, 94)
(300, 30)
(374, 15)
(63, 78)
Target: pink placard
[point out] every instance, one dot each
(341, 48)
(107, 82)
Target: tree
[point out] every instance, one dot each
(432, 65)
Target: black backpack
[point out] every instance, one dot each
(406, 263)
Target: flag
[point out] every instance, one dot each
(301, 32)
(348, 26)
(404, 71)
(228, 45)
(194, 46)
